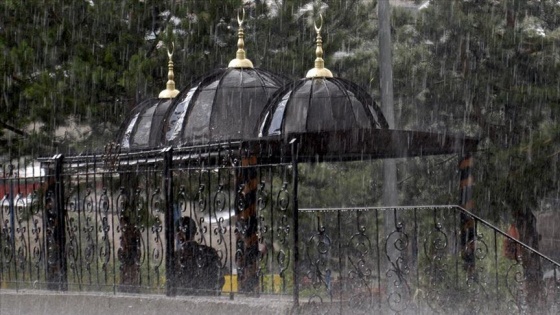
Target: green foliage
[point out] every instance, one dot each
(481, 68)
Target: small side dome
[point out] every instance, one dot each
(142, 129)
(320, 103)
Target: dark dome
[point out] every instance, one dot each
(222, 106)
(142, 129)
(320, 104)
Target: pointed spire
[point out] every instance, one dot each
(240, 61)
(170, 91)
(319, 70)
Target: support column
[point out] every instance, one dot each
(55, 215)
(295, 178)
(247, 249)
(170, 261)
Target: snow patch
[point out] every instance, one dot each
(342, 54)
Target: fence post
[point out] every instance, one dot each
(169, 224)
(55, 212)
(294, 148)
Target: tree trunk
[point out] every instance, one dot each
(526, 224)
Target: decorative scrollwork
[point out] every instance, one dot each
(283, 260)
(157, 229)
(200, 196)
(7, 244)
(283, 198)
(111, 155)
(399, 295)
(88, 202)
(20, 208)
(37, 251)
(104, 250)
(181, 198)
(358, 251)
(33, 201)
(72, 250)
(22, 248)
(516, 283)
(435, 250)
(318, 250)
(262, 199)
(89, 250)
(220, 201)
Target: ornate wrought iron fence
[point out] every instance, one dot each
(108, 224)
(355, 259)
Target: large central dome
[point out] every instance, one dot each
(224, 105)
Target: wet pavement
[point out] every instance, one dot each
(31, 302)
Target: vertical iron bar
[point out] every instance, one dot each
(60, 229)
(29, 220)
(110, 188)
(455, 243)
(169, 235)
(12, 224)
(231, 204)
(294, 148)
(78, 211)
(271, 223)
(415, 248)
(114, 207)
(2, 271)
(496, 269)
(150, 196)
(330, 285)
(96, 216)
(44, 226)
(378, 249)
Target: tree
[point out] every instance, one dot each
(493, 74)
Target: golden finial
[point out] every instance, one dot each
(319, 70)
(170, 91)
(240, 61)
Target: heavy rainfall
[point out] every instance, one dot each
(280, 156)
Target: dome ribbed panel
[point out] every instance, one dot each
(320, 104)
(142, 129)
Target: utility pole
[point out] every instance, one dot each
(389, 165)
(386, 87)
(387, 102)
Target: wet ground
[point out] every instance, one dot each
(31, 302)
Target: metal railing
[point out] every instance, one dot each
(87, 225)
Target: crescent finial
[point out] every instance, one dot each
(170, 91)
(240, 61)
(318, 29)
(170, 53)
(242, 19)
(319, 70)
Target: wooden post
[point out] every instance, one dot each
(468, 225)
(247, 249)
